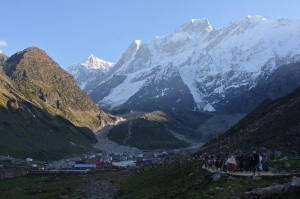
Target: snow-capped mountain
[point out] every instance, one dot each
(198, 67)
(89, 70)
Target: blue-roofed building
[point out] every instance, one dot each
(84, 166)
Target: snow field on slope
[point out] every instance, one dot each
(122, 92)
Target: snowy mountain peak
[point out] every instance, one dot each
(1, 52)
(255, 19)
(131, 50)
(88, 70)
(201, 21)
(138, 44)
(196, 25)
(93, 62)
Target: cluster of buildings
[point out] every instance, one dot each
(103, 161)
(118, 159)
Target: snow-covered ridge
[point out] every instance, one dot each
(214, 64)
(93, 62)
(256, 18)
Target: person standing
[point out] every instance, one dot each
(213, 162)
(265, 163)
(255, 162)
(241, 162)
(217, 164)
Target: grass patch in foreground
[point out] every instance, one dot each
(189, 181)
(34, 187)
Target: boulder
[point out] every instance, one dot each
(287, 165)
(267, 192)
(216, 177)
(277, 154)
(293, 185)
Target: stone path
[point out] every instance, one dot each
(238, 173)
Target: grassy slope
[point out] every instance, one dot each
(188, 181)
(27, 130)
(53, 187)
(43, 137)
(145, 135)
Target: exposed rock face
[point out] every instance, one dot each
(3, 58)
(168, 85)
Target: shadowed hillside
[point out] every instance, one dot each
(274, 124)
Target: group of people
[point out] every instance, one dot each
(254, 162)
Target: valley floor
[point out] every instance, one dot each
(108, 146)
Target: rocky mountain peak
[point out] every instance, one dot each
(255, 19)
(196, 26)
(30, 59)
(93, 62)
(33, 52)
(131, 50)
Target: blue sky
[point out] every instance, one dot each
(70, 30)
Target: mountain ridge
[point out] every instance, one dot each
(43, 112)
(214, 64)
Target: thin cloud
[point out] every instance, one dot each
(3, 43)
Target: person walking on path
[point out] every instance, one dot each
(255, 162)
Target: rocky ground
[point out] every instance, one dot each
(108, 146)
